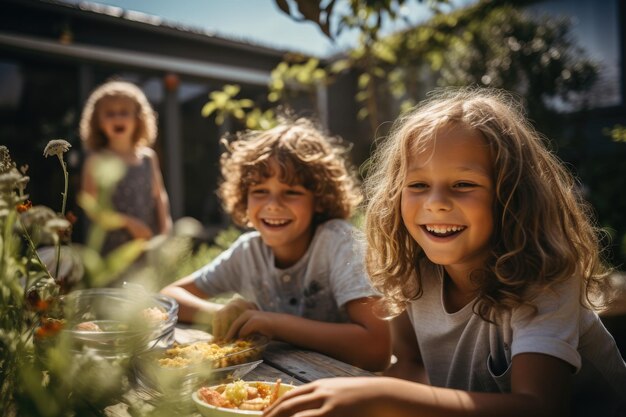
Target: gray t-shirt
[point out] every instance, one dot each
(462, 351)
(317, 287)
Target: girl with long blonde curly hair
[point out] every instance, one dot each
(489, 261)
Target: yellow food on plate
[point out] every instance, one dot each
(219, 355)
(254, 396)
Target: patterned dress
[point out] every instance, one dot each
(133, 196)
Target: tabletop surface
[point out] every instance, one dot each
(297, 366)
(280, 360)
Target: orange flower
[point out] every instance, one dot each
(49, 328)
(21, 208)
(71, 217)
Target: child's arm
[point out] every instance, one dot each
(409, 363)
(192, 305)
(364, 342)
(164, 217)
(87, 183)
(137, 228)
(540, 387)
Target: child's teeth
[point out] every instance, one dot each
(275, 222)
(444, 229)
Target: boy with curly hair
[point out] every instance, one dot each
(301, 272)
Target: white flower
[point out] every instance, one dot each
(56, 147)
(5, 160)
(57, 225)
(37, 216)
(9, 180)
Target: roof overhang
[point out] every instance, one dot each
(126, 58)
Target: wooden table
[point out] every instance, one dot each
(280, 360)
(297, 366)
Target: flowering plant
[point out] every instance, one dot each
(40, 372)
(27, 288)
(38, 375)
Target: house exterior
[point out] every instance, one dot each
(53, 54)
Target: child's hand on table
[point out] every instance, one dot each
(224, 317)
(334, 397)
(253, 321)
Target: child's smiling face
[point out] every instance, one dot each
(447, 199)
(283, 214)
(117, 117)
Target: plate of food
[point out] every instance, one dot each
(238, 398)
(184, 367)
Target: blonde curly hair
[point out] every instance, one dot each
(90, 132)
(543, 231)
(305, 157)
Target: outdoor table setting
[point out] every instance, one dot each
(177, 368)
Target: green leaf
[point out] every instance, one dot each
(208, 108)
(220, 98)
(379, 72)
(362, 95)
(104, 217)
(277, 84)
(340, 66)
(319, 74)
(384, 53)
(239, 114)
(118, 260)
(232, 89)
(304, 77)
(246, 103)
(364, 80)
(92, 261)
(273, 97)
(312, 63)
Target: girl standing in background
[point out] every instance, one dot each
(118, 121)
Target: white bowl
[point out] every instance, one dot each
(208, 410)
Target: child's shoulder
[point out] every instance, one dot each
(248, 238)
(339, 227)
(337, 233)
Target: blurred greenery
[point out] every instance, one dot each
(44, 369)
(617, 133)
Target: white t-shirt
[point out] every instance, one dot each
(462, 351)
(317, 287)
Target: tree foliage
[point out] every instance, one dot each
(490, 43)
(365, 15)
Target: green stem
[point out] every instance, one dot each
(65, 177)
(58, 244)
(31, 245)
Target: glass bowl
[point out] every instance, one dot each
(118, 321)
